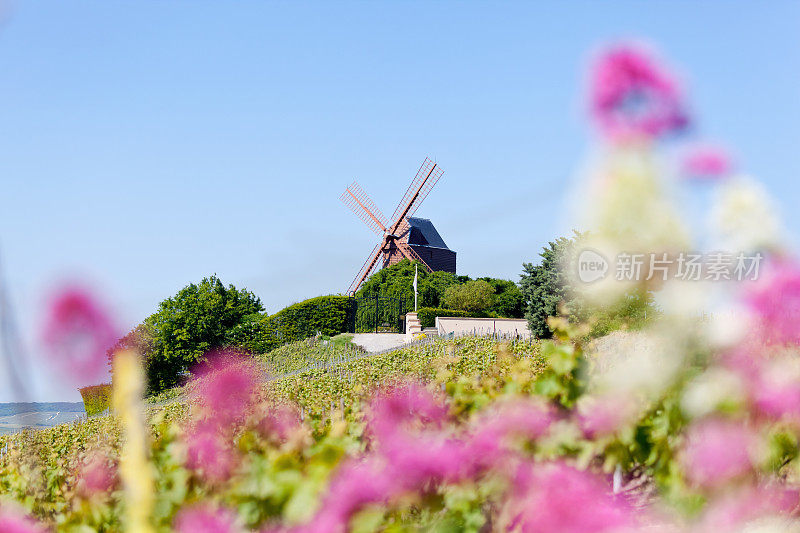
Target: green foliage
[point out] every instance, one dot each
(308, 353)
(325, 315)
(631, 312)
(545, 286)
(207, 316)
(460, 367)
(248, 335)
(96, 398)
(508, 299)
(396, 282)
(475, 295)
(187, 326)
(330, 385)
(427, 315)
(277, 482)
(165, 396)
(341, 340)
(139, 339)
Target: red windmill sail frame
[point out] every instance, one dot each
(392, 233)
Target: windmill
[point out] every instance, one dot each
(404, 237)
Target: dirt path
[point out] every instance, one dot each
(377, 342)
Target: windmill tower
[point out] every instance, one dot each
(405, 237)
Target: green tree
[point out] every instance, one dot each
(397, 281)
(545, 286)
(189, 325)
(508, 302)
(475, 295)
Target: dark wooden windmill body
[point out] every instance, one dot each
(405, 237)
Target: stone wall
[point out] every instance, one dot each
(517, 327)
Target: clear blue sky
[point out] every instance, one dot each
(147, 144)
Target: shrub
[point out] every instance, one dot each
(327, 315)
(396, 281)
(248, 335)
(476, 295)
(187, 326)
(96, 398)
(427, 315)
(508, 299)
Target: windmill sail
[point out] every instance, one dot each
(402, 237)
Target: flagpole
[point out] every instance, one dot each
(415, 287)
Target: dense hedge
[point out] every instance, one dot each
(96, 398)
(427, 315)
(328, 315)
(396, 281)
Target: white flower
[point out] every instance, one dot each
(743, 217)
(772, 524)
(711, 390)
(726, 329)
(636, 363)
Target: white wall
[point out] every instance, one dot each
(483, 326)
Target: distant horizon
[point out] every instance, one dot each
(42, 403)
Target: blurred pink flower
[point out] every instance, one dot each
(598, 416)
(632, 96)
(224, 388)
(707, 162)
(403, 404)
(14, 523)
(732, 511)
(717, 452)
(776, 389)
(209, 454)
(279, 422)
(355, 485)
(225, 385)
(78, 333)
(406, 420)
(413, 453)
(776, 302)
(528, 419)
(556, 498)
(206, 519)
(96, 475)
(417, 461)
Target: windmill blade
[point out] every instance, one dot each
(411, 255)
(427, 177)
(362, 205)
(369, 267)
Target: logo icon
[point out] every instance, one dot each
(592, 266)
